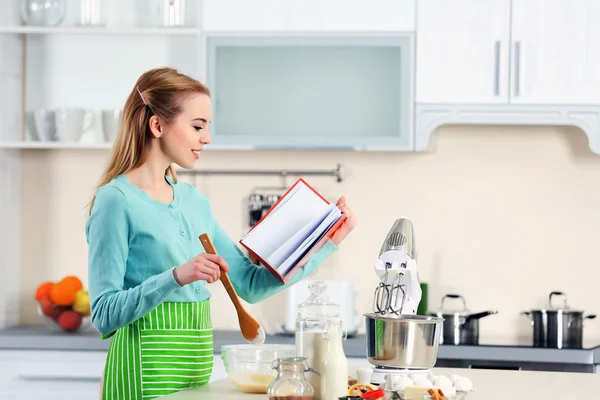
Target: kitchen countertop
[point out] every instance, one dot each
(41, 338)
(489, 385)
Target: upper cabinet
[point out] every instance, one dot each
(517, 62)
(556, 52)
(508, 52)
(308, 91)
(463, 51)
(309, 15)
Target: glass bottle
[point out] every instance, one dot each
(291, 383)
(313, 315)
(334, 367)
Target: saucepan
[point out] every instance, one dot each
(557, 327)
(461, 327)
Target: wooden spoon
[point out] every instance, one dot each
(250, 328)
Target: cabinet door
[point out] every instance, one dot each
(311, 92)
(309, 15)
(463, 51)
(556, 52)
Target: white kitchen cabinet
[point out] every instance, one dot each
(60, 375)
(463, 51)
(308, 15)
(556, 52)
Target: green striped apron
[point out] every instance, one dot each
(167, 350)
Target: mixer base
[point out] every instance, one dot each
(379, 373)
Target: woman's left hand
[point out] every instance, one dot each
(347, 225)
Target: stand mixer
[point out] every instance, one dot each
(399, 342)
(399, 291)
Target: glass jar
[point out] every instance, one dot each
(291, 383)
(43, 12)
(313, 315)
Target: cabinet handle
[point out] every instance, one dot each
(517, 68)
(497, 68)
(59, 378)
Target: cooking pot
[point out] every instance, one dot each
(558, 328)
(461, 327)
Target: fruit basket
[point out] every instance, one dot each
(64, 305)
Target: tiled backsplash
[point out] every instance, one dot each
(503, 215)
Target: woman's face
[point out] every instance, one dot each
(185, 137)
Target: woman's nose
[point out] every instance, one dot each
(206, 138)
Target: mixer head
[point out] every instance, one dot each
(401, 237)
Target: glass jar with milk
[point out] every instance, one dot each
(313, 317)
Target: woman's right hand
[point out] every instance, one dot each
(203, 267)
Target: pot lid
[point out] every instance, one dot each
(552, 307)
(454, 308)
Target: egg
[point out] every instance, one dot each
(454, 378)
(463, 385)
(422, 381)
(443, 382)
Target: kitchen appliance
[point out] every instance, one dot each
(342, 291)
(399, 342)
(557, 327)
(460, 326)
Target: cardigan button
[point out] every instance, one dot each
(182, 232)
(198, 289)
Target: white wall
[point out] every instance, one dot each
(503, 215)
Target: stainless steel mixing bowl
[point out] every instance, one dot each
(404, 341)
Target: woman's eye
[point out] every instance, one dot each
(198, 128)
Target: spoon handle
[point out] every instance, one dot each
(210, 249)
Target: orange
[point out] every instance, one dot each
(43, 290)
(63, 293)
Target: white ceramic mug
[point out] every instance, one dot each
(72, 122)
(42, 125)
(111, 119)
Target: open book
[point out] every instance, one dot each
(289, 234)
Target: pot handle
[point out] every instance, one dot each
(591, 316)
(454, 296)
(528, 315)
(480, 315)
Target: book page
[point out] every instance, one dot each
(290, 245)
(297, 209)
(334, 215)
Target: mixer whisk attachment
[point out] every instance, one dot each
(389, 298)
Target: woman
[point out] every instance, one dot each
(148, 273)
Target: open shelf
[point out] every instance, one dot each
(25, 145)
(54, 145)
(42, 30)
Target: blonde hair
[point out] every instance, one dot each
(157, 92)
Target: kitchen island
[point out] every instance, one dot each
(489, 385)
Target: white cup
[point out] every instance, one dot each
(111, 119)
(72, 123)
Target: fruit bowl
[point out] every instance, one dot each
(63, 319)
(250, 367)
(64, 305)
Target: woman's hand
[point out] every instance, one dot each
(203, 267)
(348, 224)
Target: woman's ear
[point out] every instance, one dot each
(155, 126)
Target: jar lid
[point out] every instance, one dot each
(318, 305)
